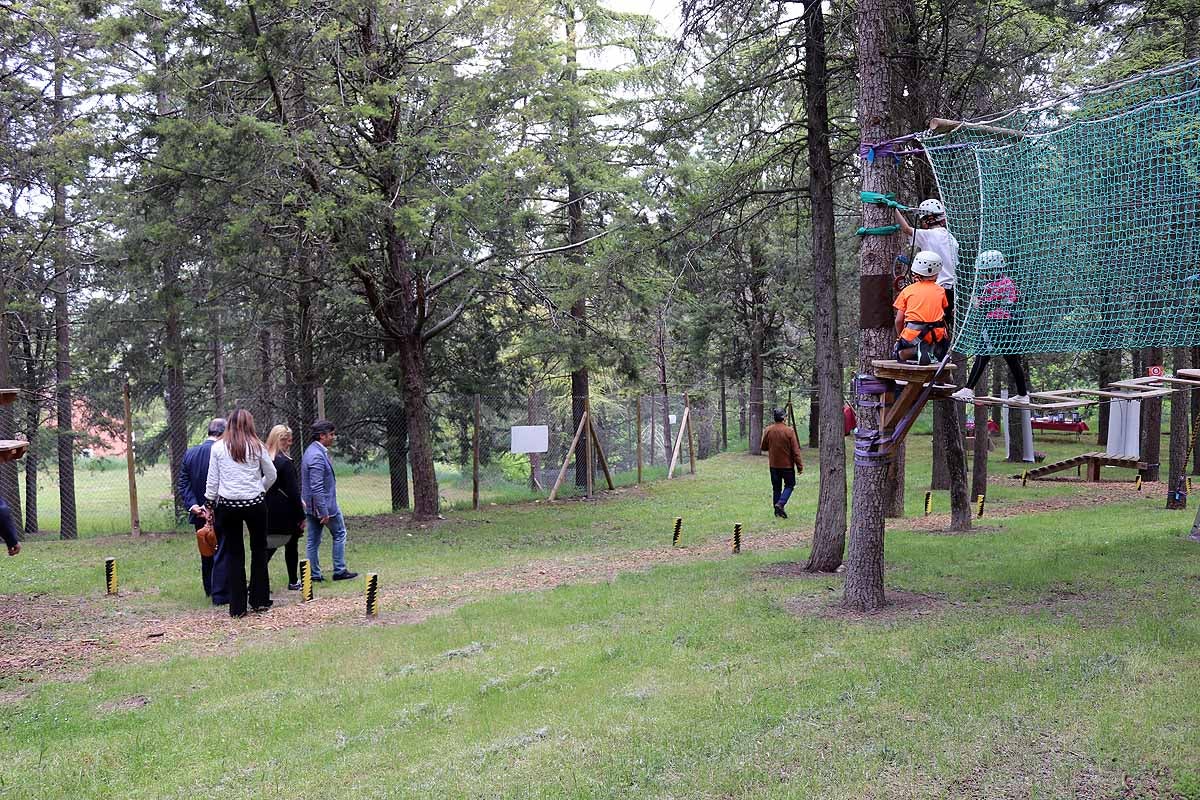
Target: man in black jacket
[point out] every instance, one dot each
(193, 475)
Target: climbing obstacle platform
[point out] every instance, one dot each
(903, 390)
(1093, 462)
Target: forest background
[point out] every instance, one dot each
(390, 209)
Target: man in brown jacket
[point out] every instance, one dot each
(783, 456)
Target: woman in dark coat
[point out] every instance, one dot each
(285, 510)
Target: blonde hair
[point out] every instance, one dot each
(275, 437)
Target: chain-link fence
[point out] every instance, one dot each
(520, 450)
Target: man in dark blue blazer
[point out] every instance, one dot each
(318, 488)
(193, 475)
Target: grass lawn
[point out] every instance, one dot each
(1055, 652)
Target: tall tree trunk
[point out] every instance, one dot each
(217, 348)
(1108, 369)
(653, 429)
(264, 401)
(756, 410)
(864, 562)
(997, 383)
(724, 411)
(33, 423)
(396, 438)
(814, 411)
(1176, 480)
(420, 438)
(535, 459)
(660, 356)
(1152, 421)
(10, 488)
(1195, 410)
(69, 528)
(956, 463)
(580, 389)
(741, 411)
(893, 504)
(829, 528)
(979, 467)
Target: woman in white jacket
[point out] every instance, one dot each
(239, 474)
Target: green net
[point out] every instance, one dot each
(1094, 203)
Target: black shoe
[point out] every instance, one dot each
(261, 609)
(779, 512)
(294, 587)
(344, 576)
(317, 578)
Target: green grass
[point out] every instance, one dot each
(1065, 652)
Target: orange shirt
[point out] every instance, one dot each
(923, 301)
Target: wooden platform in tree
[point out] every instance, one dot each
(919, 374)
(9, 396)
(1094, 461)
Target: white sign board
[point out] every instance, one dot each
(530, 439)
(671, 417)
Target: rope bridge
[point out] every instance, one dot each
(1094, 202)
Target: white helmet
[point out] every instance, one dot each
(931, 208)
(927, 263)
(990, 261)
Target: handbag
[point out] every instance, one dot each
(206, 539)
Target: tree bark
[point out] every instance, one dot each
(756, 411)
(425, 485)
(864, 564)
(397, 452)
(979, 465)
(661, 359)
(829, 528)
(69, 528)
(10, 488)
(1108, 369)
(33, 421)
(1177, 474)
(1152, 421)
(956, 464)
(814, 409)
(1195, 410)
(724, 411)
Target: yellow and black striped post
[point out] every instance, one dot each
(678, 530)
(372, 590)
(1189, 484)
(1138, 483)
(110, 576)
(737, 537)
(1024, 477)
(306, 592)
(979, 503)
(928, 503)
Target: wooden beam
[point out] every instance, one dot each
(941, 125)
(600, 453)
(678, 443)
(639, 440)
(562, 473)
(909, 373)
(687, 415)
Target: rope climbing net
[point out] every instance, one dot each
(1094, 202)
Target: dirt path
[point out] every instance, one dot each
(57, 639)
(67, 639)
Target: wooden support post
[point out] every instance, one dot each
(321, 402)
(587, 443)
(678, 444)
(687, 416)
(562, 473)
(475, 459)
(134, 521)
(600, 453)
(639, 440)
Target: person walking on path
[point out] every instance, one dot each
(783, 456)
(319, 492)
(239, 474)
(285, 509)
(193, 478)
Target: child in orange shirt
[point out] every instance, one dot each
(921, 313)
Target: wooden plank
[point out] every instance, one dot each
(896, 411)
(9, 396)
(678, 443)
(1056, 406)
(911, 373)
(600, 453)
(1126, 395)
(562, 473)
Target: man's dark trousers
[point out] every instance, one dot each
(783, 481)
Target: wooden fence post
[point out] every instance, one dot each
(475, 459)
(134, 521)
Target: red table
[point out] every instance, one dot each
(992, 427)
(1065, 427)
